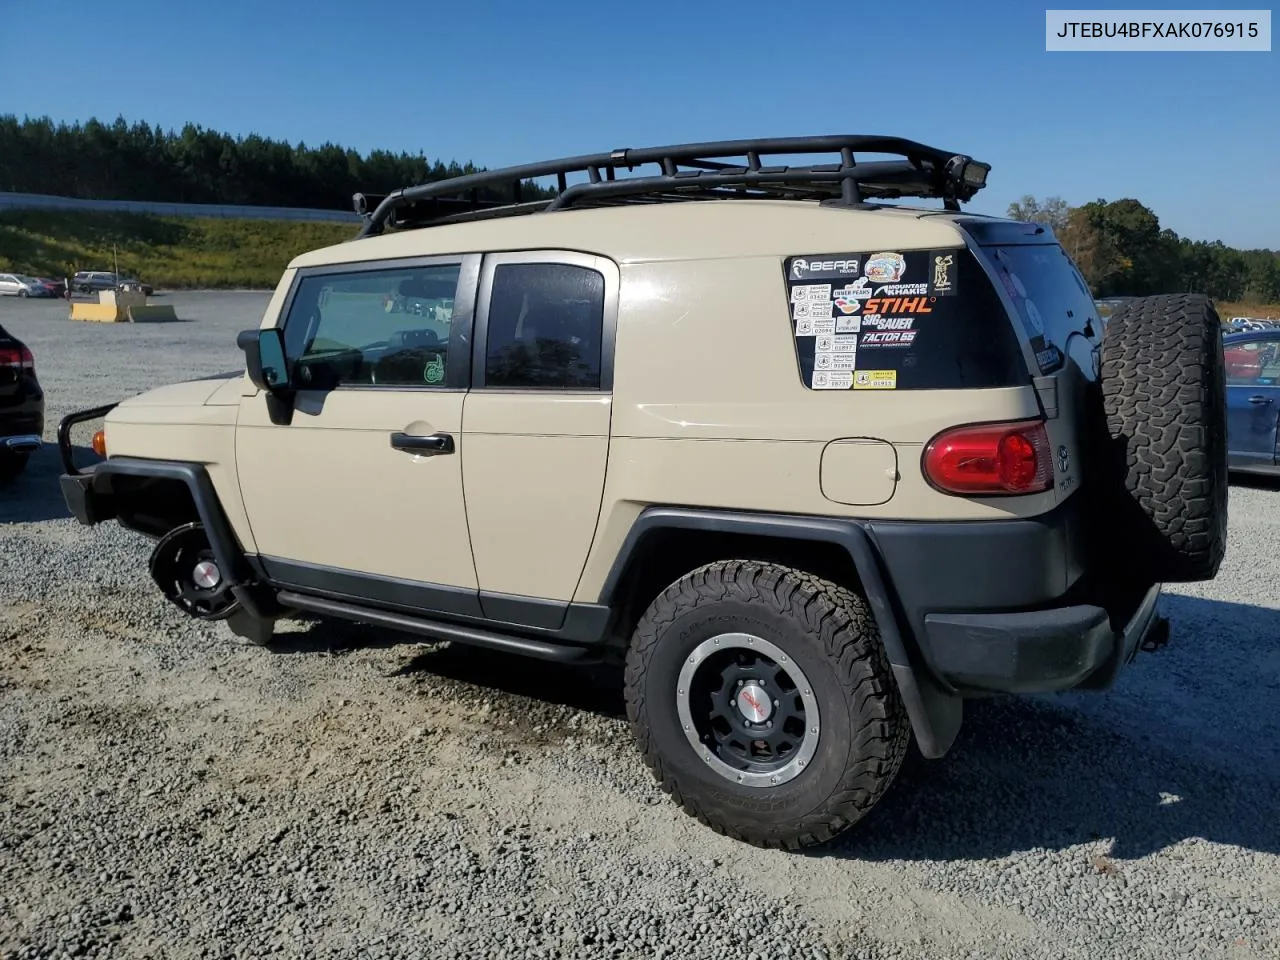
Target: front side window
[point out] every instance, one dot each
(545, 330)
(387, 327)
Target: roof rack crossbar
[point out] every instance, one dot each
(923, 171)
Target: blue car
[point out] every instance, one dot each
(1253, 400)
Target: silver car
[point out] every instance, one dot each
(19, 285)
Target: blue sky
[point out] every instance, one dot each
(1192, 135)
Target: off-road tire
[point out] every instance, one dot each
(832, 636)
(1165, 488)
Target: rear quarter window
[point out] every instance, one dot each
(1052, 299)
(900, 320)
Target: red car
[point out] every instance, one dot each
(56, 288)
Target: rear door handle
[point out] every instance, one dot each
(429, 446)
(1259, 399)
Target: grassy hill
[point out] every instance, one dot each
(167, 252)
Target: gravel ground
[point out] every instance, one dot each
(166, 790)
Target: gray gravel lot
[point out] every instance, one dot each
(166, 790)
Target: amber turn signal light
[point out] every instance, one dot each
(99, 443)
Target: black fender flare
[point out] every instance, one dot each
(935, 715)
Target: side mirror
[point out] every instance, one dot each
(265, 358)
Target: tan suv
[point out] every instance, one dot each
(817, 467)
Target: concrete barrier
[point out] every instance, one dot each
(97, 312)
(152, 313)
(123, 306)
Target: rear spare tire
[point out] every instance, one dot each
(1164, 476)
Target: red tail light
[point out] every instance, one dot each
(993, 459)
(19, 357)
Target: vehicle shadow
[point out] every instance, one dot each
(1256, 481)
(34, 495)
(1186, 746)
(594, 689)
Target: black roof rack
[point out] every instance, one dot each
(691, 171)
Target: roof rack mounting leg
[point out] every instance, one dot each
(849, 192)
(951, 204)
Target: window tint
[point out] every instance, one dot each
(1252, 362)
(909, 320)
(1052, 299)
(372, 327)
(546, 323)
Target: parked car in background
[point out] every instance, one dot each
(91, 281)
(1253, 400)
(21, 406)
(56, 288)
(133, 283)
(19, 285)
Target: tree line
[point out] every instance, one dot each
(1119, 245)
(1121, 249)
(138, 161)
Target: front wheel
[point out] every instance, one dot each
(762, 701)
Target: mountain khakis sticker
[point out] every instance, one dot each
(832, 380)
(875, 380)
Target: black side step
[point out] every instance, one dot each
(436, 630)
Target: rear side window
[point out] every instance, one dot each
(900, 320)
(546, 323)
(1052, 299)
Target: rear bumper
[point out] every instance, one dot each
(1011, 606)
(1038, 651)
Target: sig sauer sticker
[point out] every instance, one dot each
(875, 380)
(942, 273)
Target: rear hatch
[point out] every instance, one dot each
(1052, 305)
(971, 332)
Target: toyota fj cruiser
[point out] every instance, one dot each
(817, 467)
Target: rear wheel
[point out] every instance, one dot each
(763, 703)
(1163, 484)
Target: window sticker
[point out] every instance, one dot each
(942, 283)
(827, 380)
(900, 320)
(885, 267)
(875, 380)
(826, 266)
